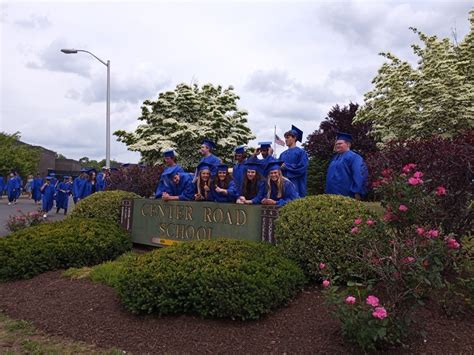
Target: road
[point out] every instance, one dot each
(25, 205)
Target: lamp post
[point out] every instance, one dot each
(107, 122)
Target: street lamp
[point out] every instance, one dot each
(107, 122)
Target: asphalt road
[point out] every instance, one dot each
(25, 205)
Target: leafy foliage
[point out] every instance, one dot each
(317, 229)
(17, 156)
(182, 118)
(320, 143)
(448, 163)
(24, 220)
(73, 242)
(215, 278)
(105, 205)
(139, 180)
(435, 98)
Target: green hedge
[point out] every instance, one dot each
(215, 278)
(103, 205)
(70, 243)
(318, 229)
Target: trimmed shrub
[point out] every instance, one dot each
(448, 163)
(141, 180)
(316, 229)
(73, 242)
(103, 205)
(215, 278)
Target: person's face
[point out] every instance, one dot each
(274, 175)
(169, 161)
(221, 175)
(239, 157)
(204, 149)
(12, 175)
(205, 175)
(289, 140)
(341, 146)
(251, 174)
(264, 152)
(176, 179)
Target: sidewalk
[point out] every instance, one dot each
(25, 205)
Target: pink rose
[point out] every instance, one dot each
(372, 300)
(418, 175)
(350, 300)
(407, 168)
(420, 231)
(452, 243)
(322, 265)
(326, 283)
(358, 221)
(440, 191)
(433, 233)
(414, 181)
(370, 222)
(354, 230)
(380, 313)
(403, 208)
(408, 260)
(387, 172)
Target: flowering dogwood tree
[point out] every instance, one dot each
(182, 118)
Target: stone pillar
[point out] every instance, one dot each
(126, 216)
(269, 215)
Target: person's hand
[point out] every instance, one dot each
(206, 188)
(165, 196)
(268, 201)
(248, 202)
(198, 197)
(257, 152)
(219, 190)
(239, 202)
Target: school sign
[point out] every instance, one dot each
(160, 223)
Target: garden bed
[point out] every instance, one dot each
(89, 312)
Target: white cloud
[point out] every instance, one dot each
(34, 22)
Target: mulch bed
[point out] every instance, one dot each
(82, 310)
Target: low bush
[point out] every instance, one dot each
(104, 205)
(215, 278)
(24, 220)
(316, 230)
(73, 242)
(141, 180)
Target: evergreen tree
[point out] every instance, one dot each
(435, 98)
(182, 118)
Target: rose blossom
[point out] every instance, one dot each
(322, 265)
(370, 222)
(452, 243)
(358, 221)
(380, 313)
(403, 208)
(433, 233)
(408, 167)
(354, 230)
(387, 172)
(372, 300)
(420, 231)
(440, 191)
(414, 181)
(350, 300)
(326, 283)
(418, 175)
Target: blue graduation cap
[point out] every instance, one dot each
(52, 173)
(273, 165)
(83, 170)
(171, 171)
(253, 165)
(169, 153)
(344, 136)
(265, 145)
(222, 167)
(91, 170)
(49, 178)
(240, 149)
(296, 132)
(65, 177)
(203, 166)
(209, 143)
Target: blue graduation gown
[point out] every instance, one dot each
(296, 168)
(19, 185)
(63, 191)
(184, 189)
(48, 197)
(238, 173)
(100, 182)
(13, 187)
(165, 180)
(78, 188)
(289, 193)
(35, 191)
(231, 195)
(257, 199)
(213, 161)
(263, 162)
(347, 175)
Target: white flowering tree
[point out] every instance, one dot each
(436, 97)
(182, 118)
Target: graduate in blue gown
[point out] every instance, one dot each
(223, 187)
(208, 158)
(252, 190)
(265, 149)
(12, 188)
(202, 184)
(279, 190)
(347, 173)
(19, 184)
(63, 190)
(180, 187)
(79, 185)
(295, 161)
(169, 157)
(238, 170)
(36, 188)
(101, 179)
(48, 192)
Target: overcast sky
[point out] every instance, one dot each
(289, 62)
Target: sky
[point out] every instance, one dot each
(289, 61)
